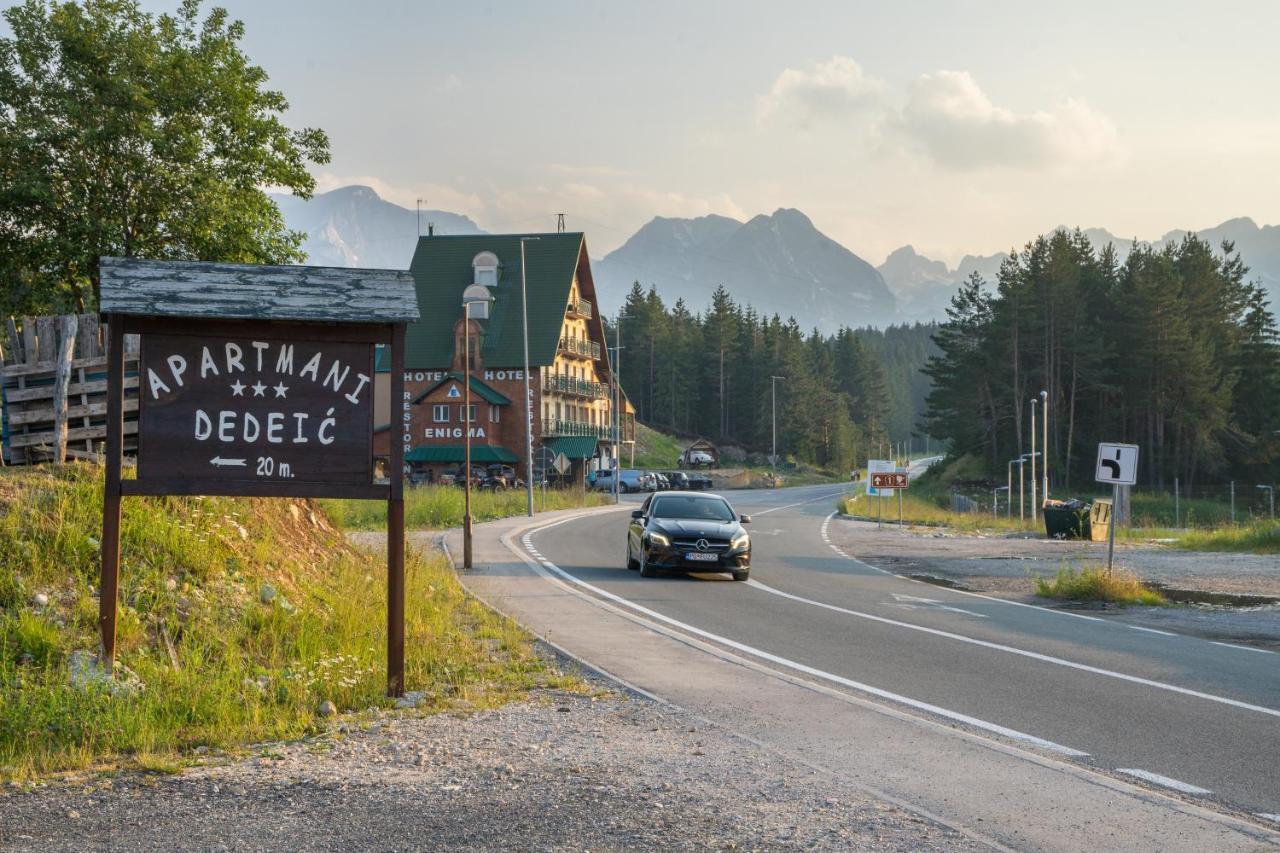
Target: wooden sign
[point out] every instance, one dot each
(252, 411)
(890, 482)
(254, 380)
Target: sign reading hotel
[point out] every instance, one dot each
(254, 408)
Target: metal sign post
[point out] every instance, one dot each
(1118, 465)
(261, 387)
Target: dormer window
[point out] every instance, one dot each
(485, 266)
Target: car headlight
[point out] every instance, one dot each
(659, 539)
(740, 542)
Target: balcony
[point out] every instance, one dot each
(557, 384)
(580, 347)
(580, 308)
(559, 426)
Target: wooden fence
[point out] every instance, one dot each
(53, 386)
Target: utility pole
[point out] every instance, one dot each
(1044, 463)
(528, 397)
(1271, 494)
(773, 459)
(617, 404)
(1033, 459)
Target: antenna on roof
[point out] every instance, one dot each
(559, 223)
(431, 229)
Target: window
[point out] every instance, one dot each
(485, 266)
(440, 413)
(494, 414)
(461, 411)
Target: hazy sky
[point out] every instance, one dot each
(956, 127)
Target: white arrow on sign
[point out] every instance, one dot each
(912, 602)
(222, 463)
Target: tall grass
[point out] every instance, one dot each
(1260, 537)
(1097, 584)
(220, 666)
(925, 510)
(436, 507)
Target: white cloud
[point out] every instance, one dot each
(837, 89)
(949, 116)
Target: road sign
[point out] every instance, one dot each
(218, 412)
(890, 481)
(878, 466)
(1117, 464)
(561, 463)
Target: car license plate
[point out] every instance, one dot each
(698, 557)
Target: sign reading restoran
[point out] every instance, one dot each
(255, 409)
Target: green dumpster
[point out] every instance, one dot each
(1066, 519)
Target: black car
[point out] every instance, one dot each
(697, 482)
(687, 532)
(678, 479)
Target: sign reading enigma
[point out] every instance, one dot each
(255, 408)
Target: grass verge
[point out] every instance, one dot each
(1257, 538)
(923, 510)
(438, 507)
(238, 617)
(1097, 584)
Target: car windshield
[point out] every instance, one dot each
(687, 506)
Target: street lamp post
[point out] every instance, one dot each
(995, 500)
(1271, 494)
(1033, 459)
(1022, 489)
(473, 295)
(773, 459)
(1009, 486)
(528, 401)
(1044, 448)
(617, 405)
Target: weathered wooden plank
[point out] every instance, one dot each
(45, 392)
(66, 343)
(90, 343)
(15, 342)
(47, 332)
(29, 344)
(256, 292)
(98, 363)
(45, 439)
(45, 414)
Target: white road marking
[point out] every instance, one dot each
(1243, 648)
(1274, 818)
(914, 602)
(807, 670)
(1164, 781)
(1172, 688)
(799, 503)
(1153, 631)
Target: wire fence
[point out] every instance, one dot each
(1169, 506)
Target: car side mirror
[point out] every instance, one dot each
(744, 519)
(637, 513)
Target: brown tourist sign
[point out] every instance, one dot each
(255, 409)
(256, 381)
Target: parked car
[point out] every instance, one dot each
(698, 482)
(688, 532)
(696, 459)
(503, 477)
(678, 479)
(664, 484)
(630, 480)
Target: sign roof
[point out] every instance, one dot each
(203, 290)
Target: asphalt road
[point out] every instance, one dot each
(1175, 713)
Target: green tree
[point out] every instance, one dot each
(125, 133)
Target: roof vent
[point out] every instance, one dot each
(485, 266)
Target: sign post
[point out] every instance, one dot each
(254, 381)
(1117, 465)
(892, 481)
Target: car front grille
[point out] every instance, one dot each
(714, 546)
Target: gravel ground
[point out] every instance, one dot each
(1007, 566)
(557, 772)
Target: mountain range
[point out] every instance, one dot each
(779, 263)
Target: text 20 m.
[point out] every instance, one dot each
(268, 467)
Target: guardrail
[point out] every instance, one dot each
(558, 426)
(581, 307)
(559, 384)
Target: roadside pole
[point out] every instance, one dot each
(879, 510)
(1111, 531)
(900, 527)
(1177, 501)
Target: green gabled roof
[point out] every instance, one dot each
(572, 446)
(486, 392)
(441, 269)
(481, 454)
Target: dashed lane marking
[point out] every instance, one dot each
(1153, 631)
(1163, 781)
(1083, 667)
(994, 728)
(1242, 648)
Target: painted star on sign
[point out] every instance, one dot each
(258, 389)
(237, 388)
(280, 389)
